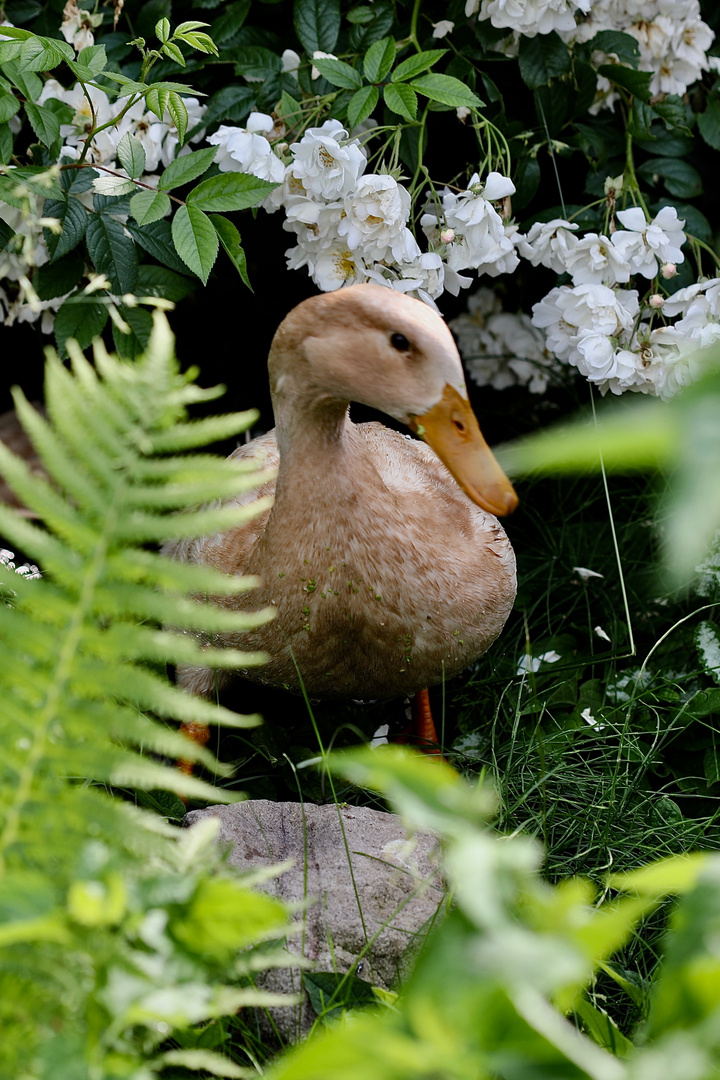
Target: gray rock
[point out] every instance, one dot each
(371, 891)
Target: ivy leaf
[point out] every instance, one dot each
(148, 206)
(637, 82)
(401, 99)
(624, 46)
(73, 218)
(112, 252)
(9, 105)
(338, 73)
(362, 104)
(379, 59)
(543, 58)
(195, 239)
(44, 123)
(317, 24)
(80, 317)
(156, 239)
(446, 90)
(229, 191)
(230, 240)
(131, 154)
(187, 168)
(178, 111)
(415, 65)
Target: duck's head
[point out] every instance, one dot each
(373, 345)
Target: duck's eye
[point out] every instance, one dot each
(399, 342)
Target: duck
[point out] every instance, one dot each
(381, 553)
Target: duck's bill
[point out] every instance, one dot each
(452, 430)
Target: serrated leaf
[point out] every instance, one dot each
(190, 25)
(415, 65)
(446, 90)
(93, 57)
(27, 82)
(361, 105)
(178, 111)
(256, 62)
(317, 24)
(156, 239)
(60, 277)
(159, 281)
(230, 240)
(338, 73)
(543, 58)
(44, 54)
(113, 187)
(148, 206)
(202, 42)
(227, 25)
(229, 191)
(187, 168)
(73, 218)
(379, 59)
(624, 46)
(80, 318)
(131, 155)
(162, 30)
(195, 239)
(637, 82)
(6, 144)
(171, 50)
(156, 101)
(401, 99)
(9, 105)
(44, 123)
(112, 252)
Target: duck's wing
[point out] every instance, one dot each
(231, 551)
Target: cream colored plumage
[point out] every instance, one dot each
(385, 576)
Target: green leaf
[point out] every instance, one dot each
(338, 73)
(679, 177)
(112, 252)
(187, 168)
(149, 206)
(256, 62)
(224, 29)
(189, 26)
(365, 34)
(416, 64)
(637, 82)
(60, 277)
(27, 82)
(624, 46)
(602, 1029)
(543, 58)
(162, 30)
(6, 144)
(157, 101)
(131, 155)
(196, 240)
(131, 345)
(178, 111)
(447, 90)
(81, 318)
(230, 240)
(379, 59)
(171, 50)
(93, 57)
(708, 122)
(159, 281)
(73, 218)
(317, 24)
(44, 123)
(202, 42)
(229, 191)
(401, 99)
(156, 239)
(362, 104)
(331, 993)
(44, 54)
(9, 105)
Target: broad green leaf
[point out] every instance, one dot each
(149, 206)
(73, 218)
(415, 65)
(401, 99)
(624, 46)
(196, 240)
(44, 54)
(44, 123)
(223, 917)
(379, 59)
(672, 876)
(156, 239)
(202, 42)
(9, 105)
(446, 90)
(317, 24)
(159, 281)
(81, 318)
(338, 73)
(230, 240)
(60, 277)
(637, 82)
(227, 25)
(378, 26)
(190, 25)
(6, 144)
(162, 30)
(708, 122)
(178, 111)
(93, 57)
(27, 82)
(187, 168)
(542, 58)
(113, 187)
(229, 191)
(112, 252)
(679, 176)
(362, 104)
(156, 101)
(172, 51)
(602, 1029)
(256, 62)
(139, 320)
(131, 155)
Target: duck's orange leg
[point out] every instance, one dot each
(421, 731)
(199, 733)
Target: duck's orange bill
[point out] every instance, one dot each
(452, 430)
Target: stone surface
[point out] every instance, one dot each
(374, 868)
